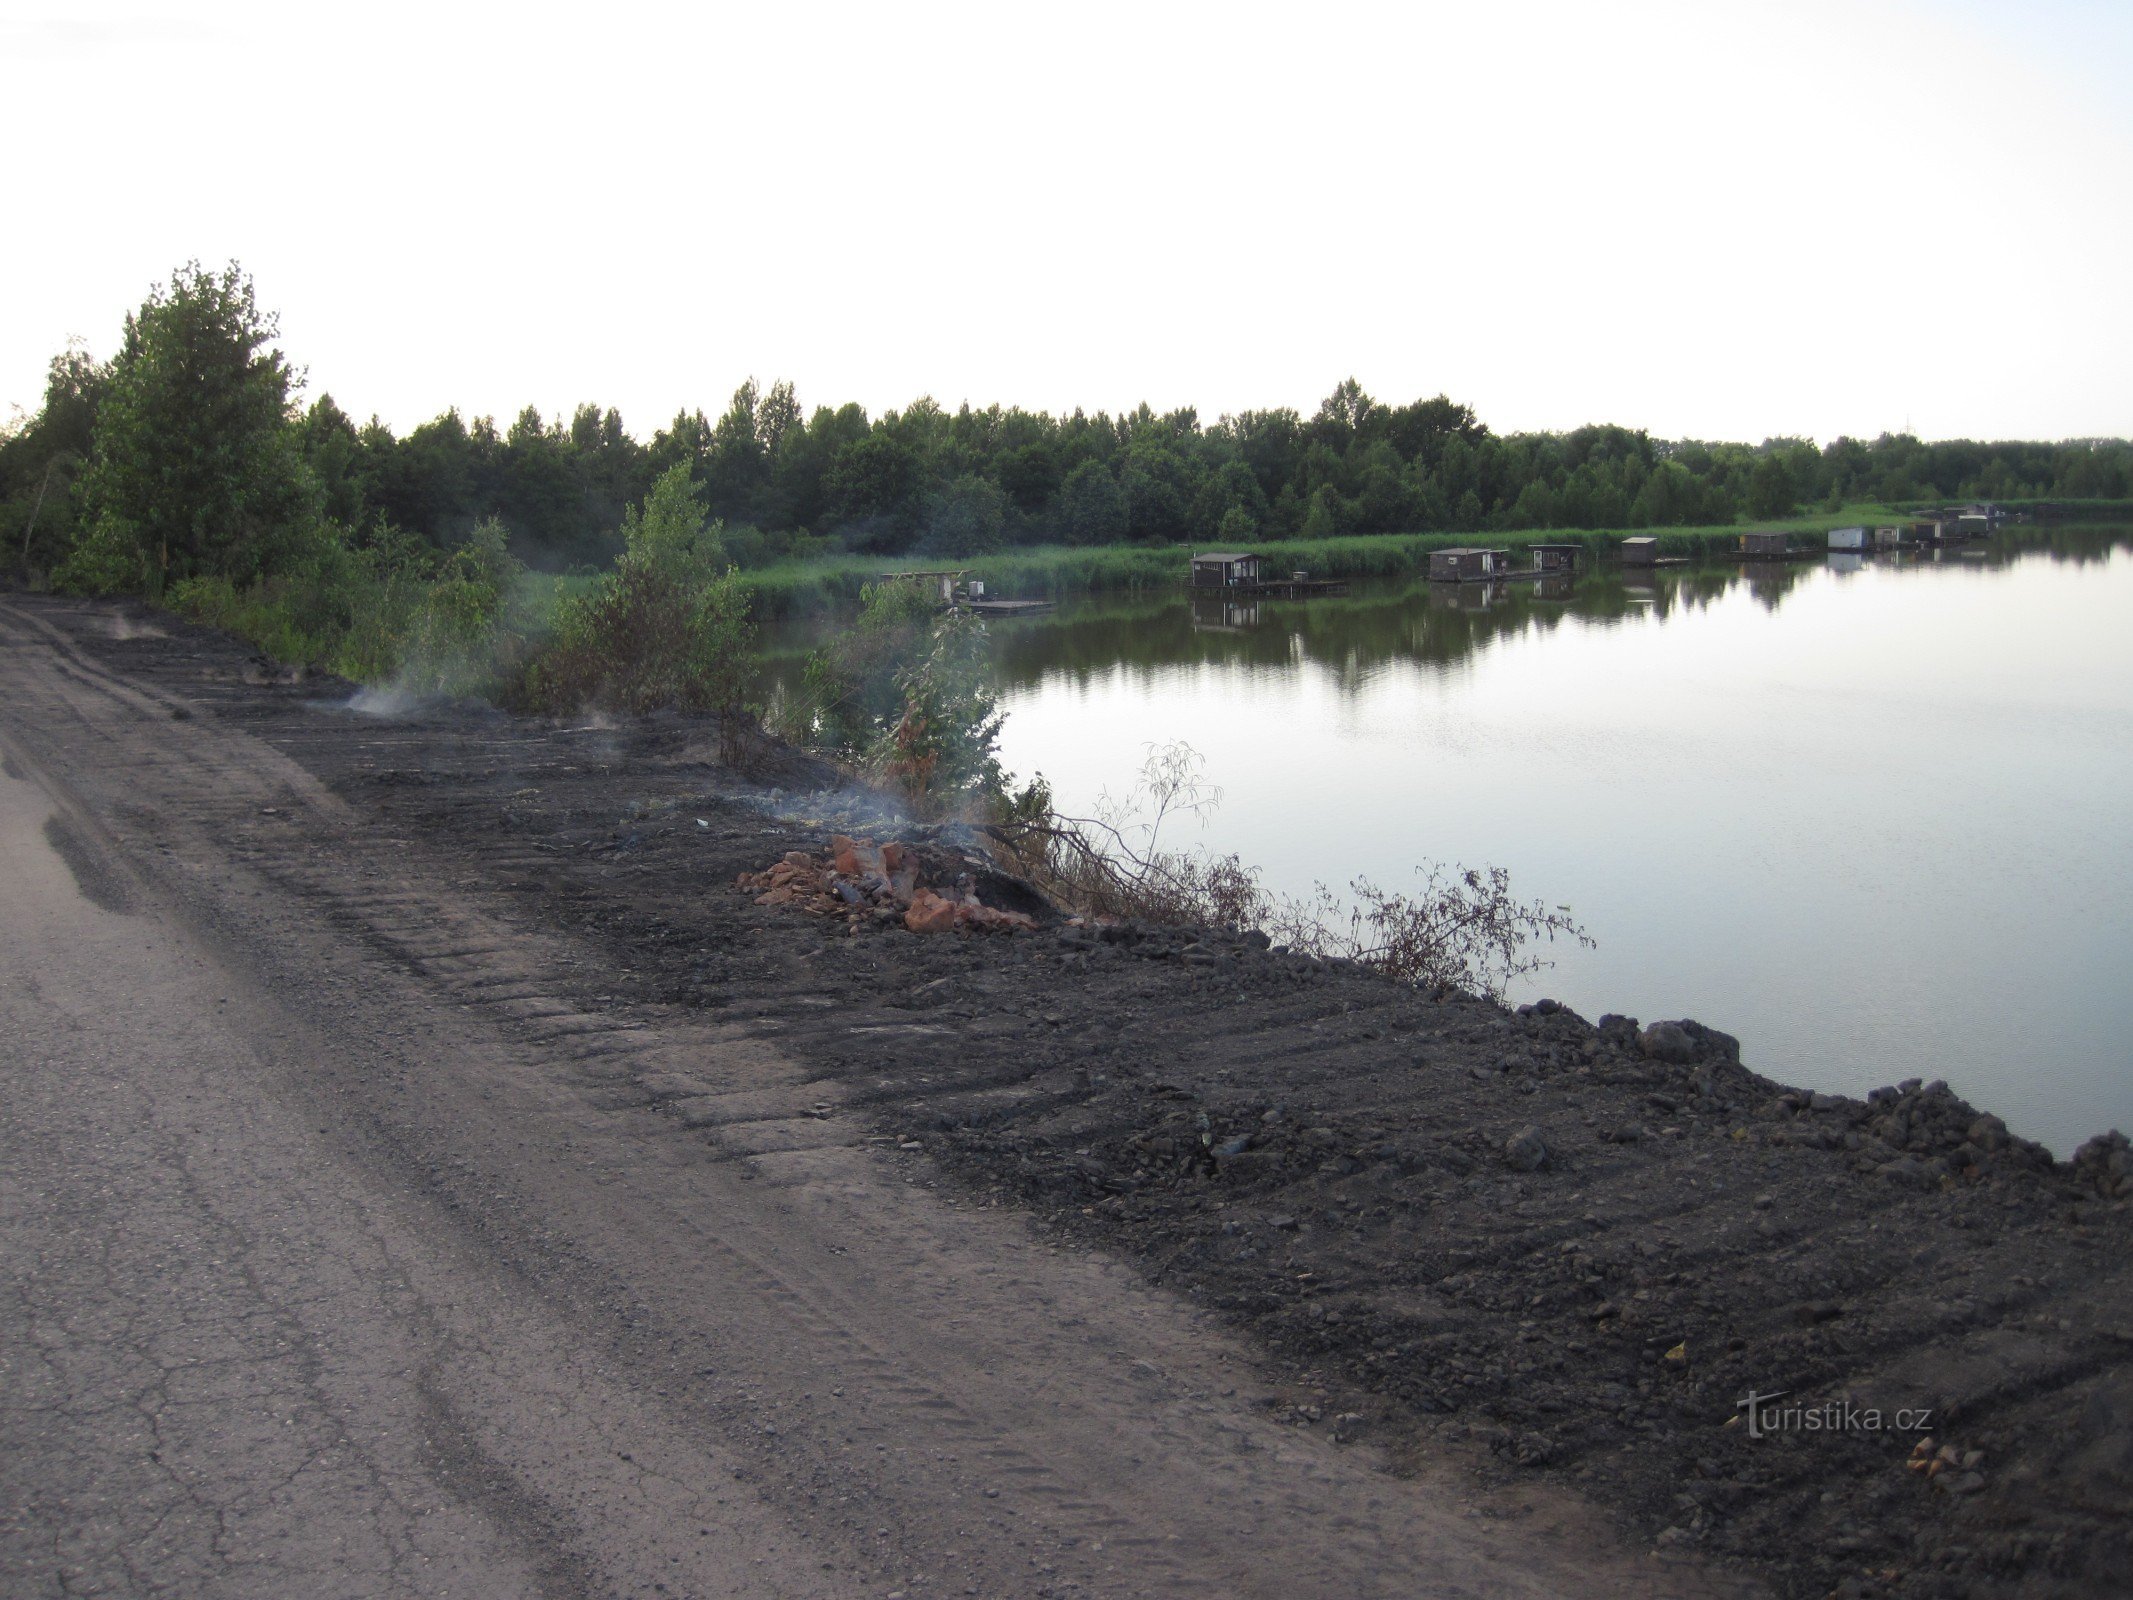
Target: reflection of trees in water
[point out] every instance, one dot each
(2080, 546)
(1770, 581)
(1434, 624)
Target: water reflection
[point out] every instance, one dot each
(1218, 613)
(1829, 805)
(1412, 619)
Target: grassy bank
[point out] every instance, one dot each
(1056, 571)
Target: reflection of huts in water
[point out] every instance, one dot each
(1555, 557)
(1764, 542)
(1553, 586)
(1224, 569)
(1847, 538)
(1642, 551)
(1215, 612)
(1846, 561)
(1482, 596)
(1463, 564)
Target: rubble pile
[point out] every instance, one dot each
(928, 890)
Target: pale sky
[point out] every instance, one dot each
(1719, 220)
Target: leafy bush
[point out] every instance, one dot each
(388, 610)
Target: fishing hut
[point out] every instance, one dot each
(1764, 544)
(1555, 557)
(1236, 573)
(1464, 564)
(1224, 570)
(1642, 551)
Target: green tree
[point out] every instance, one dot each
(965, 518)
(1091, 508)
(872, 484)
(1323, 519)
(669, 626)
(1770, 488)
(333, 450)
(41, 459)
(197, 467)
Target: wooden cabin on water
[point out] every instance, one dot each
(1462, 564)
(1642, 551)
(1224, 570)
(1847, 538)
(1555, 557)
(1764, 543)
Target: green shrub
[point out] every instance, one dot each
(668, 627)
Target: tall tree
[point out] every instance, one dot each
(197, 466)
(41, 458)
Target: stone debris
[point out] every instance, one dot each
(927, 889)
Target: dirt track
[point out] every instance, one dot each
(367, 1234)
(585, 1228)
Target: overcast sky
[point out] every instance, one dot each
(1722, 220)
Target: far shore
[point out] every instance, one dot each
(1054, 571)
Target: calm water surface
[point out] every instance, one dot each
(1873, 821)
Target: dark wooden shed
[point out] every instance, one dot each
(1642, 551)
(1765, 542)
(1463, 564)
(1222, 569)
(1555, 557)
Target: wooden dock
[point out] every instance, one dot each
(1006, 608)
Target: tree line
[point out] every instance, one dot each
(188, 446)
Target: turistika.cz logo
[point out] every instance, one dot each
(1767, 1416)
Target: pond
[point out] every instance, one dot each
(1868, 815)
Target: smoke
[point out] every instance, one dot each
(843, 810)
(126, 628)
(395, 699)
(383, 700)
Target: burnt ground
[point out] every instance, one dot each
(1559, 1249)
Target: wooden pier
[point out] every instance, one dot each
(1006, 608)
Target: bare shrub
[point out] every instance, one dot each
(1118, 863)
(1461, 929)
